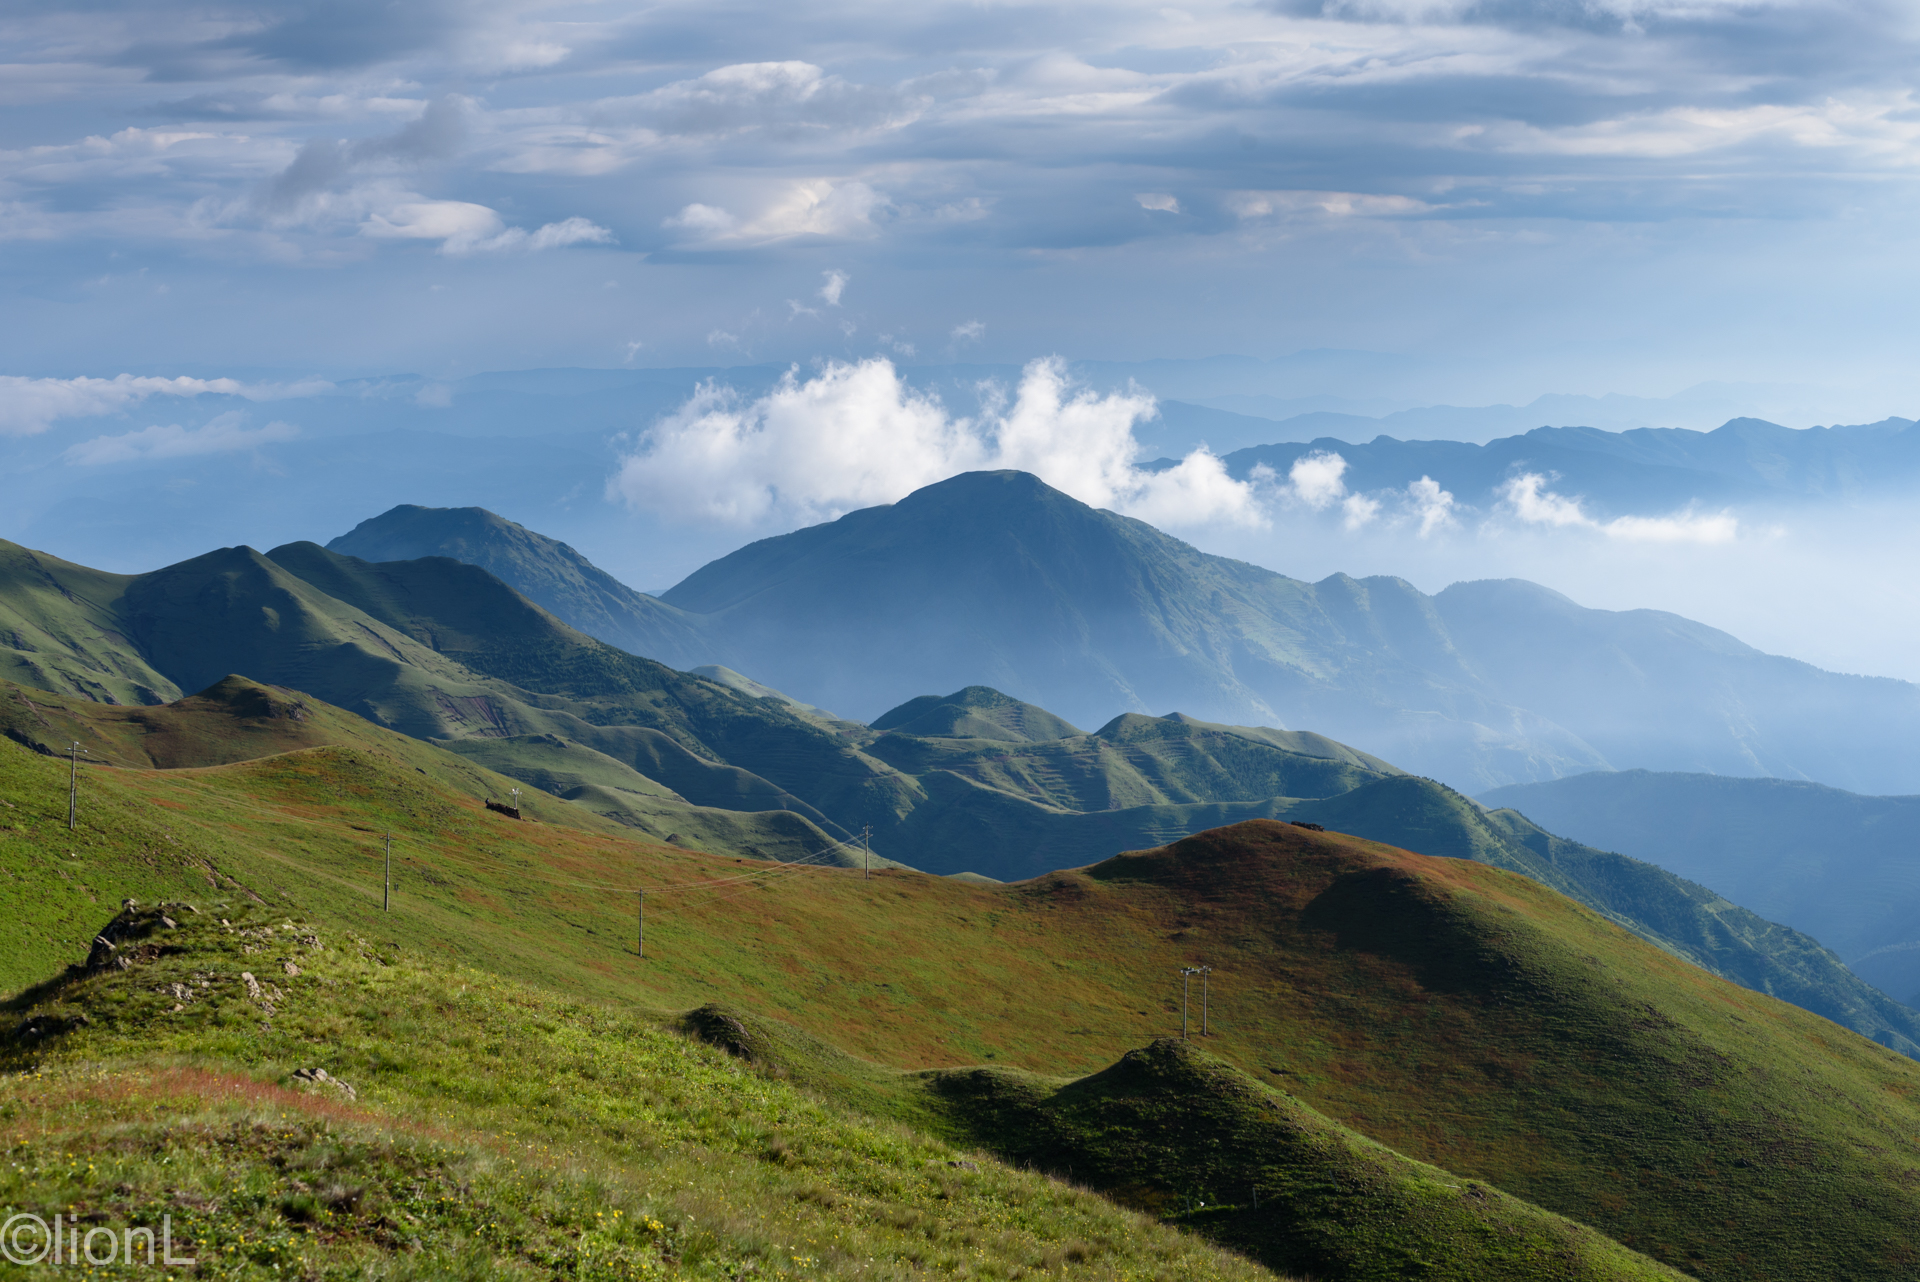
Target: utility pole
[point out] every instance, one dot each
(1206, 973)
(386, 887)
(73, 782)
(1186, 977)
(516, 801)
(866, 853)
(643, 925)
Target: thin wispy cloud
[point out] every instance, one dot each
(225, 434)
(31, 405)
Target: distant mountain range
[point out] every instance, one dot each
(1639, 472)
(540, 444)
(1842, 867)
(998, 579)
(977, 780)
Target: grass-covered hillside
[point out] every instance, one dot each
(1009, 808)
(463, 1125)
(1463, 1016)
(446, 653)
(237, 720)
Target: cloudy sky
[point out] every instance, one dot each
(216, 217)
(1561, 195)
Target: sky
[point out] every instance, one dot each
(222, 223)
(1582, 196)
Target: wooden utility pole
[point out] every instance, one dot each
(73, 782)
(866, 853)
(386, 888)
(642, 947)
(1206, 974)
(1186, 977)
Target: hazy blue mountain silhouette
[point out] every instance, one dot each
(1638, 472)
(995, 578)
(1835, 864)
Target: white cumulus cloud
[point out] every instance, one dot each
(218, 436)
(856, 435)
(1315, 479)
(1359, 510)
(1431, 505)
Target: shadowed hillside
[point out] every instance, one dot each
(546, 571)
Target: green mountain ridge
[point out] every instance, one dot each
(445, 652)
(1835, 864)
(996, 579)
(545, 571)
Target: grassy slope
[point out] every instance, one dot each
(373, 651)
(1134, 761)
(496, 1131)
(239, 720)
(1687, 919)
(976, 712)
(59, 631)
(1172, 1129)
(1176, 1131)
(441, 649)
(1463, 1015)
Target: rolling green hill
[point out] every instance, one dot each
(445, 652)
(59, 624)
(977, 712)
(359, 1110)
(440, 650)
(237, 720)
(1462, 1016)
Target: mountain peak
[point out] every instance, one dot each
(977, 712)
(545, 571)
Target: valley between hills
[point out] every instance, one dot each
(909, 998)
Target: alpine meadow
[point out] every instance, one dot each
(1032, 641)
